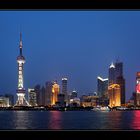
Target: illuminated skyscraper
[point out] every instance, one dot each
(48, 93)
(55, 92)
(102, 86)
(21, 101)
(112, 74)
(138, 89)
(64, 89)
(32, 97)
(120, 79)
(114, 95)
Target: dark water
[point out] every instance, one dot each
(70, 120)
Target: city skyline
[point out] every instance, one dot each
(78, 45)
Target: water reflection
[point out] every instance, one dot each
(21, 120)
(55, 120)
(136, 120)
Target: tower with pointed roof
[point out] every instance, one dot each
(21, 101)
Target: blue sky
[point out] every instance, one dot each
(79, 45)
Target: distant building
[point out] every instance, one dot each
(64, 89)
(48, 93)
(137, 98)
(114, 95)
(73, 94)
(4, 101)
(75, 102)
(11, 99)
(89, 101)
(32, 98)
(55, 92)
(102, 86)
(37, 89)
(61, 100)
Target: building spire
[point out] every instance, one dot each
(20, 45)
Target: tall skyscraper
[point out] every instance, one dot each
(48, 93)
(38, 94)
(116, 77)
(102, 86)
(137, 89)
(55, 92)
(32, 97)
(111, 74)
(114, 95)
(21, 101)
(64, 89)
(118, 69)
(120, 79)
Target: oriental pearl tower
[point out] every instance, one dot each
(21, 101)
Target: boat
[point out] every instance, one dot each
(101, 108)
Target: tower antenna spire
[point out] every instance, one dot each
(20, 45)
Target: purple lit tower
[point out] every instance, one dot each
(21, 101)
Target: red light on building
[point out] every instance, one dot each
(138, 88)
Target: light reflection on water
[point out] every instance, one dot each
(136, 120)
(70, 120)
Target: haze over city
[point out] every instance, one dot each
(79, 45)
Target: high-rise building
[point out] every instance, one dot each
(102, 87)
(55, 92)
(32, 97)
(111, 74)
(64, 89)
(37, 89)
(61, 100)
(21, 101)
(116, 77)
(118, 69)
(120, 80)
(114, 95)
(48, 93)
(137, 103)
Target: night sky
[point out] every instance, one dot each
(79, 45)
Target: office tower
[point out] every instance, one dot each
(111, 74)
(11, 99)
(32, 99)
(120, 80)
(37, 89)
(102, 87)
(48, 93)
(21, 101)
(114, 95)
(55, 92)
(118, 69)
(137, 89)
(64, 89)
